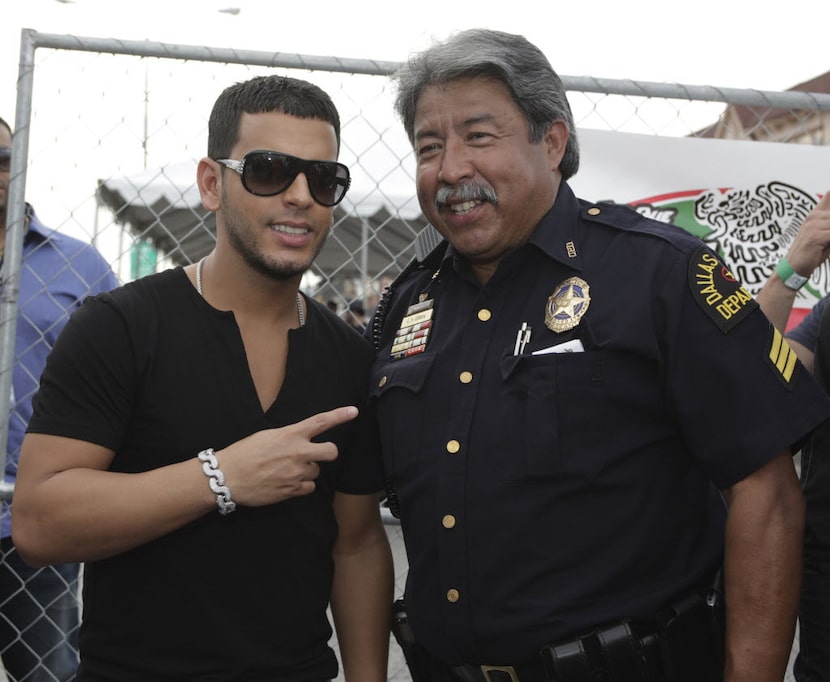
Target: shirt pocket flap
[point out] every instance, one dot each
(409, 374)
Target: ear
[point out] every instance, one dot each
(556, 141)
(208, 177)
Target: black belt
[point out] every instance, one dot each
(614, 653)
(533, 671)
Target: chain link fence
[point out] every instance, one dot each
(108, 134)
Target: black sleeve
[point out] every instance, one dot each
(87, 387)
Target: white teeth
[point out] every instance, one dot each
(466, 207)
(287, 229)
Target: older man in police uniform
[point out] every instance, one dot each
(584, 415)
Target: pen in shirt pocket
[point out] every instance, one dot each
(522, 339)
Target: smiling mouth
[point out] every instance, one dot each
(287, 229)
(464, 207)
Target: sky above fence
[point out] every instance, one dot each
(738, 44)
(710, 42)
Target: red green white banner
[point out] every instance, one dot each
(745, 199)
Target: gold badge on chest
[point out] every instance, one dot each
(567, 304)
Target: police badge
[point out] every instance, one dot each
(567, 304)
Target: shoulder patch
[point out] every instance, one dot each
(782, 358)
(717, 291)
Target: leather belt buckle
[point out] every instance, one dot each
(508, 670)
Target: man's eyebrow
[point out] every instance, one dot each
(481, 118)
(466, 123)
(421, 134)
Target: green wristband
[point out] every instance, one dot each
(790, 277)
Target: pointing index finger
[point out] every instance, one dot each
(323, 421)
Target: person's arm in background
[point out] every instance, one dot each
(809, 249)
(803, 338)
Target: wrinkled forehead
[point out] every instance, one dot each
(465, 103)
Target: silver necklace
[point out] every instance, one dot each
(300, 313)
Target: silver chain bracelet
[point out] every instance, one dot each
(216, 479)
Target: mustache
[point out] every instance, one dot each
(467, 192)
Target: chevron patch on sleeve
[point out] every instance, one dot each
(782, 358)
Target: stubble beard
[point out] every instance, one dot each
(240, 231)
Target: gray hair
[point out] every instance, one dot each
(512, 59)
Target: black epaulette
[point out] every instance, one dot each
(624, 217)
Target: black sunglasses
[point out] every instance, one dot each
(5, 159)
(267, 173)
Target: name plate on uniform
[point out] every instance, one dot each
(411, 337)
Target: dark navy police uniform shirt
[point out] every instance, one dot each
(546, 493)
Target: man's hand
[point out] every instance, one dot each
(276, 464)
(70, 507)
(809, 249)
(811, 246)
